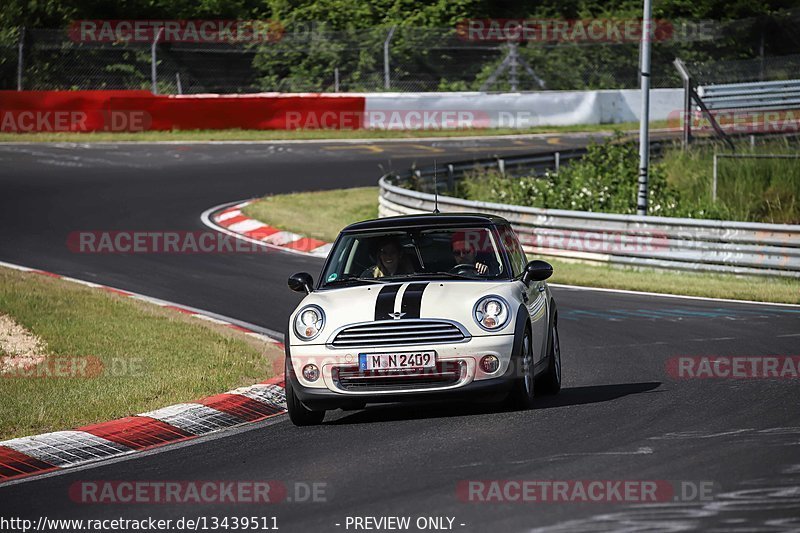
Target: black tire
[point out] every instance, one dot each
(523, 390)
(549, 382)
(299, 414)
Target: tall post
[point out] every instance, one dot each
(386, 76)
(336, 79)
(153, 58)
(714, 180)
(644, 122)
(20, 58)
(514, 80)
(687, 102)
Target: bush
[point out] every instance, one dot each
(606, 180)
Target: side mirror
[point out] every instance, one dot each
(301, 282)
(537, 271)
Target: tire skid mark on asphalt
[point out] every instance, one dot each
(724, 511)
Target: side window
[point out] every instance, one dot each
(515, 252)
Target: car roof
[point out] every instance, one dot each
(427, 220)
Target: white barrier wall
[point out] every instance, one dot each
(396, 111)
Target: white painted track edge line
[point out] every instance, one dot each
(275, 335)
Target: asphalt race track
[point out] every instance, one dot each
(620, 415)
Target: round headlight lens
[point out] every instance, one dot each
(491, 313)
(309, 322)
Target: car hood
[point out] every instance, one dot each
(449, 300)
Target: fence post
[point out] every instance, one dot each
(451, 183)
(153, 58)
(386, 75)
(178, 82)
(512, 67)
(557, 161)
(336, 79)
(687, 102)
(714, 180)
(20, 58)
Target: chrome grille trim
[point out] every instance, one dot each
(447, 374)
(398, 333)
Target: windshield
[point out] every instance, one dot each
(468, 253)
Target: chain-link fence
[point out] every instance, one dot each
(312, 58)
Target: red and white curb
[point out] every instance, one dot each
(26, 456)
(230, 219)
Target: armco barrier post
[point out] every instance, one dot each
(386, 74)
(20, 58)
(153, 59)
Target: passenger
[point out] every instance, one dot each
(390, 259)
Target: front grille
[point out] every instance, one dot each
(350, 378)
(398, 332)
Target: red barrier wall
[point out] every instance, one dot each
(48, 111)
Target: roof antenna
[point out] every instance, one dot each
(435, 190)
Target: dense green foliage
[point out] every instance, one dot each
(350, 14)
(679, 185)
(348, 34)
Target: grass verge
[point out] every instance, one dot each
(301, 135)
(325, 213)
(141, 357)
(756, 288)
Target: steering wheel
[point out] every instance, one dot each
(464, 268)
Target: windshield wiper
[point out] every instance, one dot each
(353, 278)
(448, 274)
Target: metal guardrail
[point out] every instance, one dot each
(449, 174)
(749, 97)
(661, 242)
(783, 94)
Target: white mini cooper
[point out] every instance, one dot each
(421, 307)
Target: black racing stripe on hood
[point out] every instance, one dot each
(412, 300)
(384, 306)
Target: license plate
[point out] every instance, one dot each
(384, 361)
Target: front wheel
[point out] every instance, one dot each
(522, 393)
(550, 381)
(299, 414)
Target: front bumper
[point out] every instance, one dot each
(328, 391)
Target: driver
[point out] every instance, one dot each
(464, 253)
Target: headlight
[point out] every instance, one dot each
(491, 313)
(309, 322)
